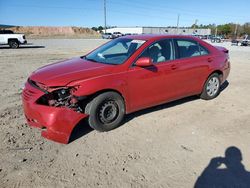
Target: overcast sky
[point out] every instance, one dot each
(88, 13)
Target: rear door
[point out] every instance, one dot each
(192, 65)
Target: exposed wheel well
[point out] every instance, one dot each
(218, 72)
(11, 39)
(106, 90)
(92, 96)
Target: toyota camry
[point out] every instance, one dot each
(124, 75)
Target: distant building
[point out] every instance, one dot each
(159, 30)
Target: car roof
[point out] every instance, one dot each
(157, 36)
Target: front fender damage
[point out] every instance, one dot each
(55, 110)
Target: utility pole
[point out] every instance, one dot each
(235, 31)
(195, 23)
(177, 26)
(105, 21)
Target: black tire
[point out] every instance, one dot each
(218, 40)
(106, 111)
(14, 44)
(211, 88)
(213, 40)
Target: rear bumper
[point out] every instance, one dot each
(56, 123)
(226, 72)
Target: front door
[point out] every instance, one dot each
(153, 85)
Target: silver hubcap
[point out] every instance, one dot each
(213, 86)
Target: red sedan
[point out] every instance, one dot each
(122, 76)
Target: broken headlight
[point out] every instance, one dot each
(59, 97)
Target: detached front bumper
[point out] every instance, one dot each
(56, 123)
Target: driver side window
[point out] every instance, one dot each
(160, 51)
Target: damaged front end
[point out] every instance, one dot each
(59, 96)
(53, 109)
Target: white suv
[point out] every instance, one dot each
(12, 39)
(117, 34)
(246, 41)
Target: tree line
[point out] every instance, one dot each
(229, 29)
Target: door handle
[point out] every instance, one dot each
(210, 59)
(173, 67)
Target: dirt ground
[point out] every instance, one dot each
(165, 146)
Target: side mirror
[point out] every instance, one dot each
(144, 62)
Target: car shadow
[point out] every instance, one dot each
(225, 171)
(22, 47)
(224, 86)
(168, 105)
(133, 115)
(82, 128)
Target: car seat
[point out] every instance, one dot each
(193, 50)
(155, 54)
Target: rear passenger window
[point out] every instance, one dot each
(190, 48)
(203, 50)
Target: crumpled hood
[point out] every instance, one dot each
(64, 72)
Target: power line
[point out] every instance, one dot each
(52, 7)
(164, 9)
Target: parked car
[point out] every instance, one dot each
(246, 41)
(204, 37)
(8, 37)
(125, 75)
(117, 34)
(216, 39)
(107, 36)
(234, 42)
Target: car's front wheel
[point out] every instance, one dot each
(106, 111)
(211, 88)
(13, 44)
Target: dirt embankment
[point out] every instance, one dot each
(56, 32)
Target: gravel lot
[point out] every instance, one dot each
(165, 146)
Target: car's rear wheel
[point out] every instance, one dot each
(211, 88)
(106, 111)
(13, 44)
(218, 40)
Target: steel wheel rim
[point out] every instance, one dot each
(14, 44)
(213, 86)
(108, 112)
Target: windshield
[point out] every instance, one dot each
(115, 52)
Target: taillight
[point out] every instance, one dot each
(225, 51)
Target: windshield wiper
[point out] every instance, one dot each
(93, 60)
(89, 59)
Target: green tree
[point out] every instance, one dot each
(246, 28)
(94, 28)
(224, 29)
(100, 28)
